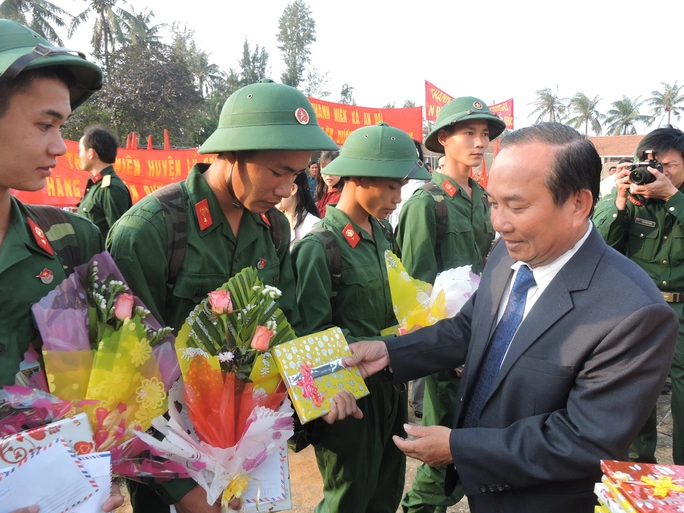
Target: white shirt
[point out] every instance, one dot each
(305, 227)
(406, 192)
(543, 276)
(606, 186)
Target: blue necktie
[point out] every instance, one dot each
(501, 339)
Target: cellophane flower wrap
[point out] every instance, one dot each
(417, 303)
(103, 350)
(237, 410)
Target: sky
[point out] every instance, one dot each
(493, 50)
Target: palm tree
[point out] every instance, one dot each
(586, 113)
(667, 102)
(40, 15)
(623, 116)
(548, 105)
(108, 30)
(139, 31)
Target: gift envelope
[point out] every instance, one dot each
(313, 372)
(75, 431)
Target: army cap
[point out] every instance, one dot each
(379, 151)
(23, 49)
(463, 109)
(267, 116)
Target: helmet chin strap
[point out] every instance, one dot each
(236, 202)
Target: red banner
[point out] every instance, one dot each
(505, 111)
(339, 119)
(144, 171)
(435, 99)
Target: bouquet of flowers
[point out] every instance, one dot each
(103, 351)
(233, 393)
(417, 303)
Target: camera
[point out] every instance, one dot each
(639, 175)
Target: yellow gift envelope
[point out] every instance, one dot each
(313, 372)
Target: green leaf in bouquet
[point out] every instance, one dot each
(204, 333)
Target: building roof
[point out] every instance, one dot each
(616, 145)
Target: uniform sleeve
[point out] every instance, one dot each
(313, 286)
(137, 242)
(612, 224)
(286, 281)
(675, 206)
(417, 237)
(115, 202)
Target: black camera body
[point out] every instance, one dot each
(639, 175)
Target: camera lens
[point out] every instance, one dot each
(636, 177)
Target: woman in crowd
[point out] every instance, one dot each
(329, 188)
(299, 209)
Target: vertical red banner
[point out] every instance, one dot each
(505, 111)
(435, 99)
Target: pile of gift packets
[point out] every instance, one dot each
(629, 487)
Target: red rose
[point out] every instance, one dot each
(262, 338)
(220, 302)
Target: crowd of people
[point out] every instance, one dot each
(555, 362)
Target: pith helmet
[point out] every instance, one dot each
(463, 109)
(267, 116)
(23, 49)
(379, 151)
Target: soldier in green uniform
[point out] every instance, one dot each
(106, 196)
(176, 246)
(362, 469)
(446, 224)
(652, 235)
(39, 86)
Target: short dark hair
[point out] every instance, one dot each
(314, 162)
(661, 141)
(19, 84)
(102, 141)
(577, 165)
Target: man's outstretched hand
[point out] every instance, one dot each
(370, 356)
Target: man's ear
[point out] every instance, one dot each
(442, 136)
(583, 201)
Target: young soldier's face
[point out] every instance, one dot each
(379, 196)
(30, 139)
(262, 178)
(467, 143)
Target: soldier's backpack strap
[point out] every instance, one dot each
(441, 214)
(59, 231)
(333, 258)
(275, 227)
(389, 234)
(171, 198)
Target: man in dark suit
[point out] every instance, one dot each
(566, 344)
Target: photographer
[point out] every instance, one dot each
(646, 223)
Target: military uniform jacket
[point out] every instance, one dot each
(105, 200)
(467, 238)
(213, 254)
(363, 306)
(652, 236)
(22, 260)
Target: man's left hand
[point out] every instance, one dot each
(116, 499)
(430, 444)
(661, 189)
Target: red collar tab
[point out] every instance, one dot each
(40, 236)
(264, 218)
(351, 235)
(97, 178)
(203, 214)
(449, 188)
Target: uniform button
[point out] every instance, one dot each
(671, 209)
(664, 283)
(198, 292)
(500, 488)
(83, 209)
(665, 262)
(665, 238)
(614, 215)
(641, 235)
(483, 489)
(2, 348)
(461, 398)
(491, 488)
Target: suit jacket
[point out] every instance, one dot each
(581, 376)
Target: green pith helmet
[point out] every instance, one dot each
(463, 109)
(379, 151)
(267, 116)
(23, 49)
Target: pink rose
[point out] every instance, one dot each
(262, 338)
(220, 302)
(123, 306)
